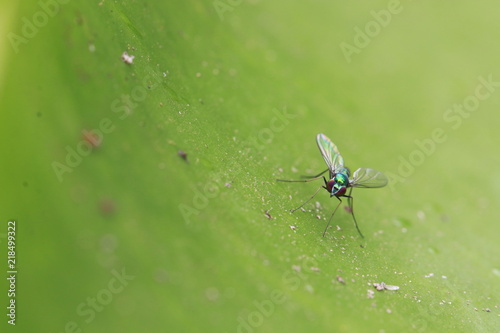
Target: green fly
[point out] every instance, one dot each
(340, 178)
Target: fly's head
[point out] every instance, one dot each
(337, 186)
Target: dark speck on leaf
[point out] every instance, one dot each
(183, 155)
(107, 206)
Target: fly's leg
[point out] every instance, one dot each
(350, 200)
(319, 188)
(315, 176)
(301, 180)
(331, 216)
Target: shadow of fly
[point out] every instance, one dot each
(340, 184)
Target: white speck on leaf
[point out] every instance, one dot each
(382, 286)
(128, 59)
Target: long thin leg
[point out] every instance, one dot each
(293, 210)
(331, 216)
(299, 181)
(319, 174)
(350, 199)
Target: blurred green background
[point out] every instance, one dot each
(145, 195)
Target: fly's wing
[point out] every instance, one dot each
(368, 178)
(330, 153)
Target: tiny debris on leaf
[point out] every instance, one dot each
(293, 227)
(91, 138)
(268, 215)
(370, 294)
(107, 206)
(389, 287)
(340, 279)
(128, 59)
(182, 154)
(381, 286)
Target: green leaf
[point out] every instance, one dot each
(144, 193)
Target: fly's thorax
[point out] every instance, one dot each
(341, 179)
